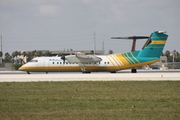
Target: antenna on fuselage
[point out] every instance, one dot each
(134, 38)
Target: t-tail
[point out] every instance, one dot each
(149, 54)
(154, 46)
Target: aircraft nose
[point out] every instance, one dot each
(22, 68)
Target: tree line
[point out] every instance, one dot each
(18, 56)
(15, 56)
(172, 55)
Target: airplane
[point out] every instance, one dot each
(80, 62)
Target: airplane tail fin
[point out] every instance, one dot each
(154, 45)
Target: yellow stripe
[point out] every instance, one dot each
(158, 42)
(119, 61)
(69, 68)
(114, 58)
(135, 57)
(110, 60)
(90, 68)
(111, 57)
(124, 61)
(130, 59)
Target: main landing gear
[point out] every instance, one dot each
(83, 68)
(133, 70)
(113, 71)
(28, 72)
(86, 72)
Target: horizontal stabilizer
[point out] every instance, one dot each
(131, 37)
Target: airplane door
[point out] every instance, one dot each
(46, 64)
(102, 66)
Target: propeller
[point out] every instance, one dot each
(133, 38)
(63, 58)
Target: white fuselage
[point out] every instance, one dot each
(57, 64)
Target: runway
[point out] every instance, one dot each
(16, 76)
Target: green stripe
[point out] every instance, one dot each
(124, 55)
(135, 57)
(132, 58)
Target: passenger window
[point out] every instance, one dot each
(57, 62)
(53, 63)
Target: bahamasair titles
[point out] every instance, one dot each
(80, 62)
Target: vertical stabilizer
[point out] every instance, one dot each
(154, 45)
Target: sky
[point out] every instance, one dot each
(27, 25)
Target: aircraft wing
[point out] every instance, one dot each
(81, 58)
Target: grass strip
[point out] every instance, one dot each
(90, 100)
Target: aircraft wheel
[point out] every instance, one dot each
(86, 72)
(27, 72)
(113, 71)
(133, 71)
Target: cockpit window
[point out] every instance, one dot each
(34, 61)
